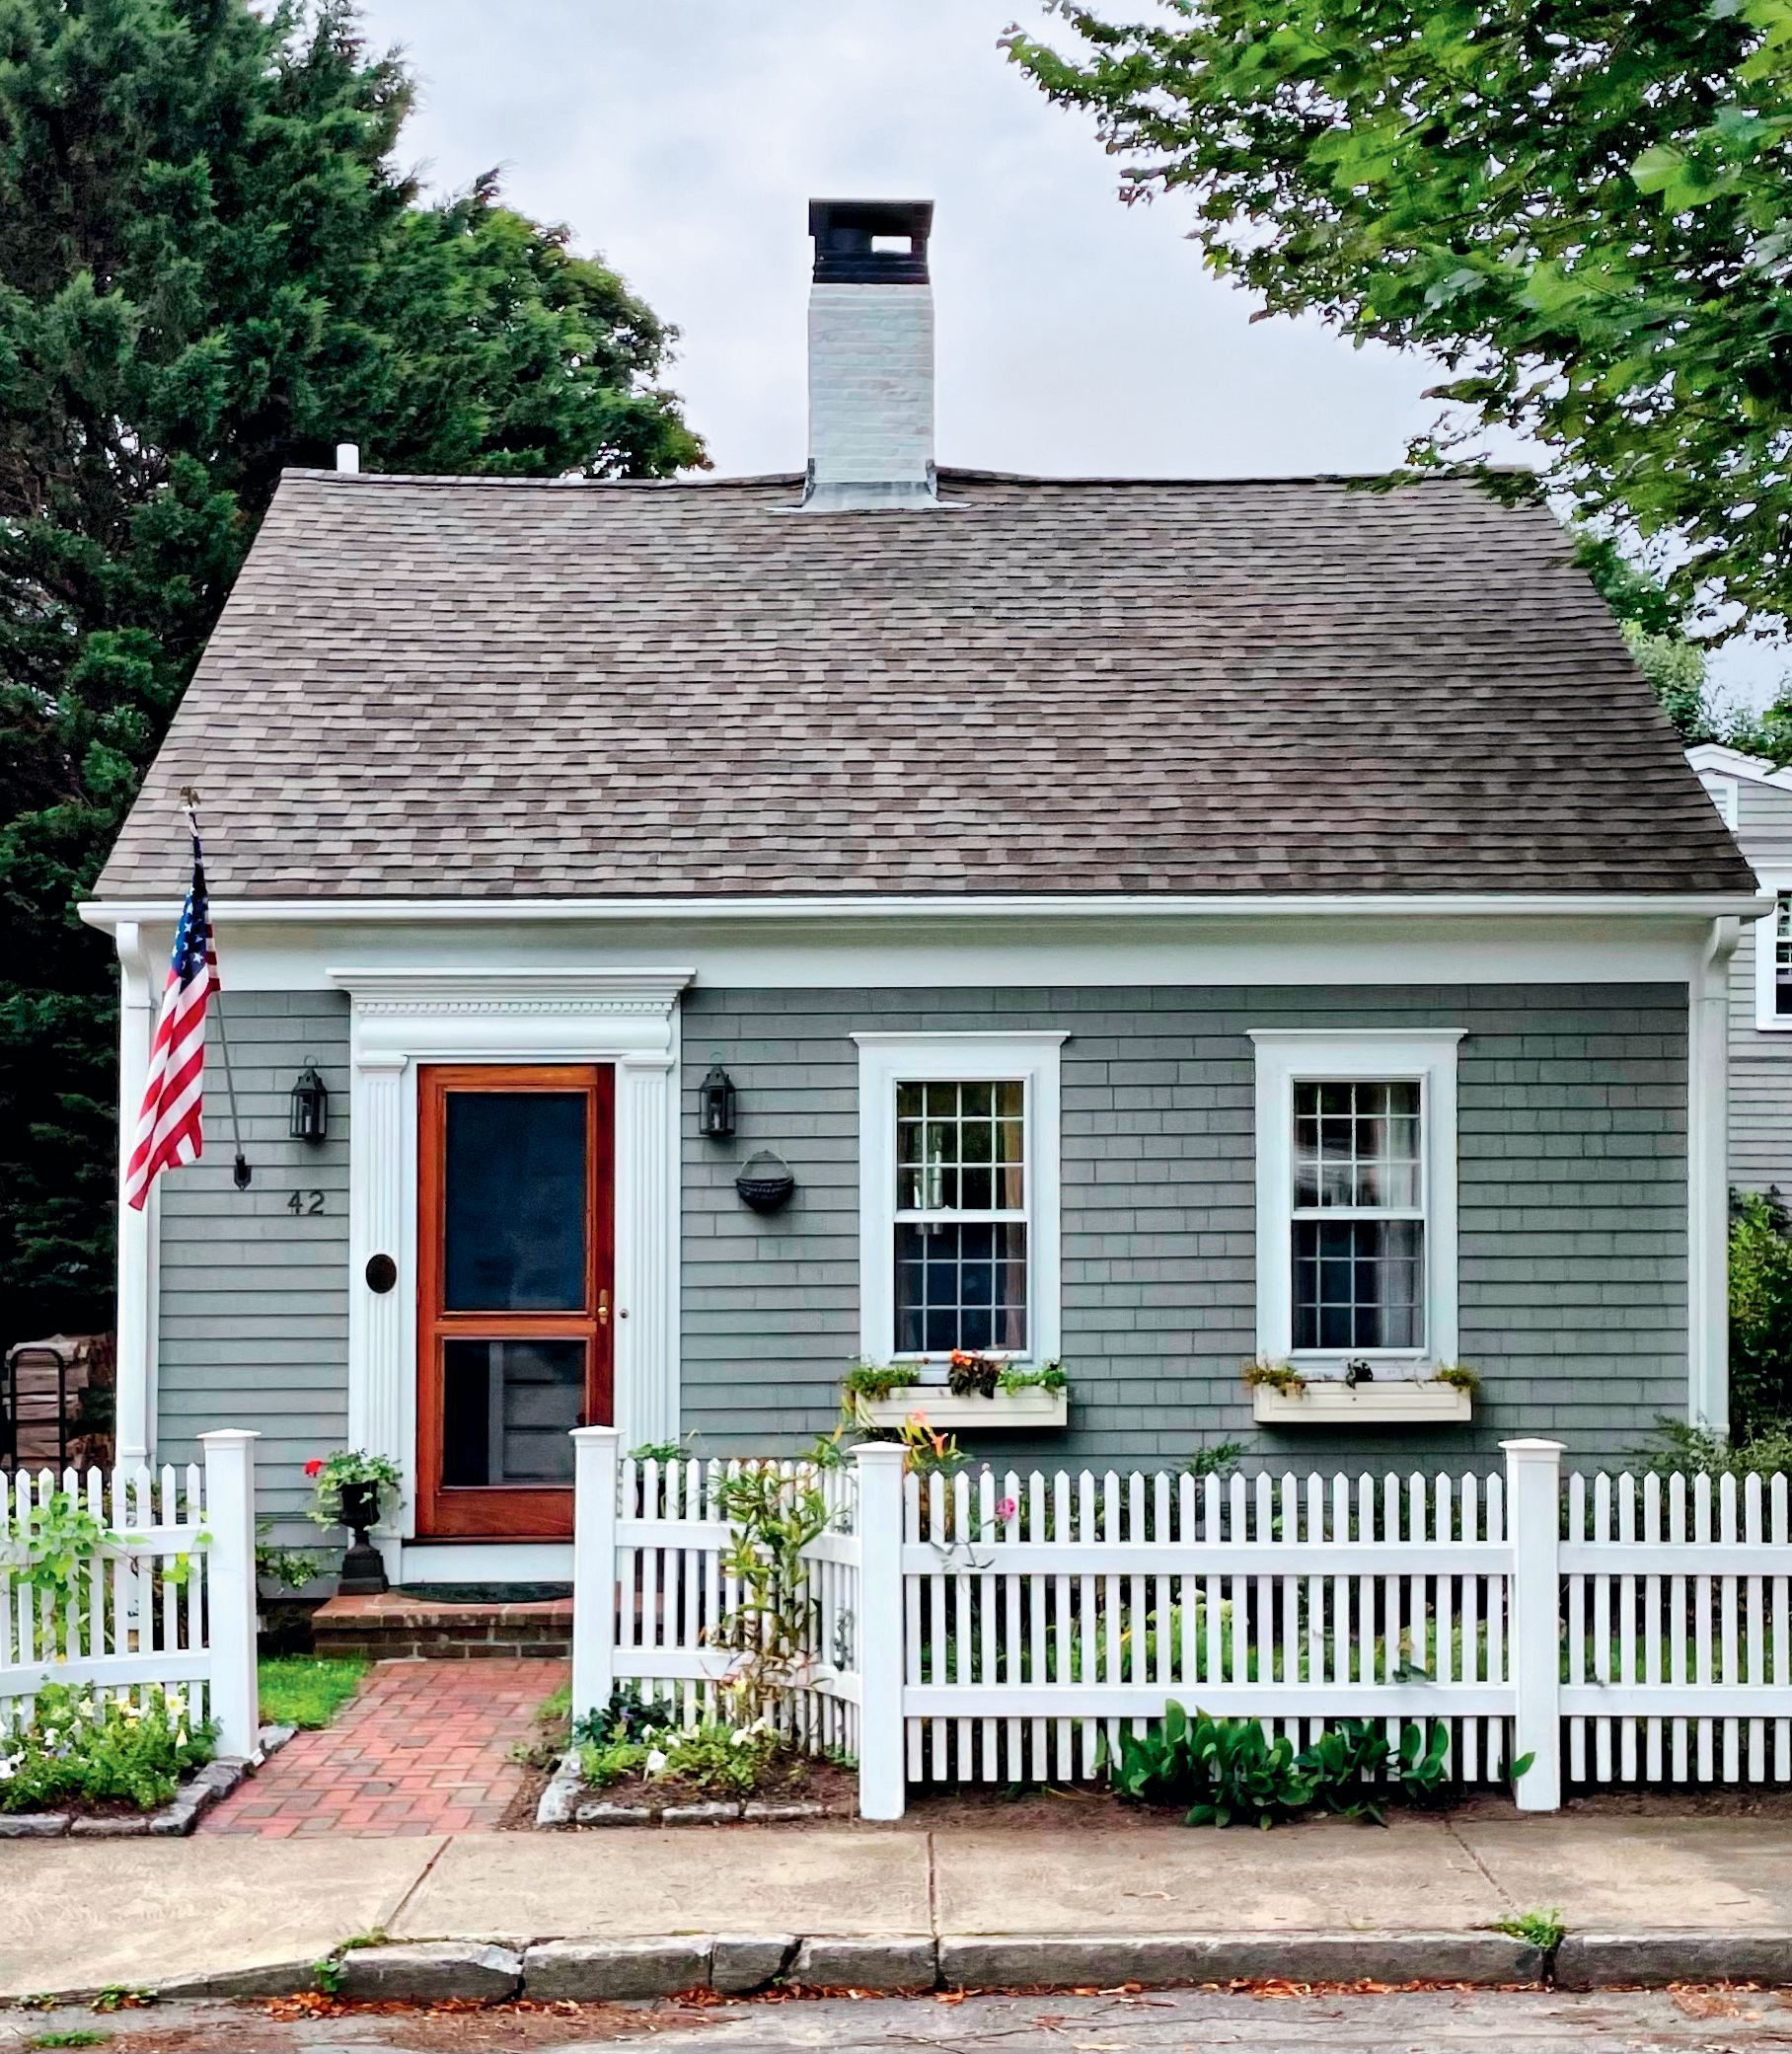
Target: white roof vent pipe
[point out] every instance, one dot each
(348, 458)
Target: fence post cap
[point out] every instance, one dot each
(1540, 1450)
(229, 1433)
(880, 1451)
(596, 1433)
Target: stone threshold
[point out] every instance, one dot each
(173, 1821)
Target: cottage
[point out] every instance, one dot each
(739, 926)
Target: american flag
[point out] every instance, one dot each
(168, 1127)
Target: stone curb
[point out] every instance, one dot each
(597, 1967)
(1652, 1961)
(174, 1820)
(1486, 1959)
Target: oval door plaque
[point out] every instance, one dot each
(382, 1274)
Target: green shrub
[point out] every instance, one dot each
(79, 1744)
(713, 1756)
(1223, 1768)
(1697, 1452)
(1760, 1312)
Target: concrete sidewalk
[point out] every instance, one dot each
(1643, 1900)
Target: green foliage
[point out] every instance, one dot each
(76, 1744)
(626, 1716)
(1218, 1460)
(657, 1451)
(1274, 1376)
(69, 2036)
(1459, 1376)
(211, 265)
(773, 1512)
(330, 1474)
(1229, 1769)
(327, 1976)
(878, 1380)
(1543, 1930)
(1693, 1451)
(1583, 214)
(1760, 1312)
(713, 1756)
(1049, 1376)
(291, 1568)
(307, 1691)
(52, 1546)
(122, 1996)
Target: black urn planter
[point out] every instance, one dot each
(363, 1573)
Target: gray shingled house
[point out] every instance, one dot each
(1755, 802)
(745, 925)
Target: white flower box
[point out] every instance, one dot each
(1386, 1402)
(1017, 1411)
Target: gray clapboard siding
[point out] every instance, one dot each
(1573, 1261)
(254, 1325)
(1760, 1064)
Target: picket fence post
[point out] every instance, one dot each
(882, 1781)
(1534, 1513)
(230, 1589)
(594, 1459)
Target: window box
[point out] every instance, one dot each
(1007, 1410)
(1386, 1402)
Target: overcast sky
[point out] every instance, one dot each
(682, 138)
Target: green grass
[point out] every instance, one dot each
(74, 2036)
(302, 1690)
(1543, 1930)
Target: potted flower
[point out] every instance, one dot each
(349, 1486)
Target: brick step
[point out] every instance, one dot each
(395, 1624)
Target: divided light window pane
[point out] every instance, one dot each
(1783, 952)
(1358, 1280)
(960, 1246)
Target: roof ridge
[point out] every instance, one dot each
(949, 474)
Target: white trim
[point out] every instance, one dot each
(336, 913)
(398, 1019)
(1775, 878)
(885, 1060)
(483, 1561)
(1712, 758)
(1707, 1179)
(1284, 1054)
(139, 1232)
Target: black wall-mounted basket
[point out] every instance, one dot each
(765, 1181)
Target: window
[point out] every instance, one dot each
(1356, 1194)
(958, 1194)
(1774, 955)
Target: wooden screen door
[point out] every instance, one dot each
(515, 1199)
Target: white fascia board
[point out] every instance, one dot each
(340, 912)
(1711, 756)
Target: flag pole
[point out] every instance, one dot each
(241, 1173)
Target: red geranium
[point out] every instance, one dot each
(315, 1465)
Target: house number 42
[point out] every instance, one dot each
(305, 1201)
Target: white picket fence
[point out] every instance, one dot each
(654, 1530)
(996, 1628)
(135, 1624)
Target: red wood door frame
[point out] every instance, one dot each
(509, 1511)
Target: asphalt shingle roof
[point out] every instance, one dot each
(458, 688)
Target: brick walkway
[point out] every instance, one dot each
(424, 1748)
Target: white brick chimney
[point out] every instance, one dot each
(871, 357)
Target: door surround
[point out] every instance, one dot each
(400, 1018)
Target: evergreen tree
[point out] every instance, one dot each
(211, 267)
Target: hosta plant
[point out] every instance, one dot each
(1225, 1770)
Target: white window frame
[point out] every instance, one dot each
(1285, 1056)
(1777, 880)
(887, 1060)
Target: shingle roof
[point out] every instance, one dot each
(461, 688)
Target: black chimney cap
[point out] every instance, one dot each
(844, 230)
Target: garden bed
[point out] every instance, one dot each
(800, 1786)
(116, 1818)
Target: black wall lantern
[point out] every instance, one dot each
(716, 1104)
(310, 1108)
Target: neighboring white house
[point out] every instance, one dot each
(1756, 802)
